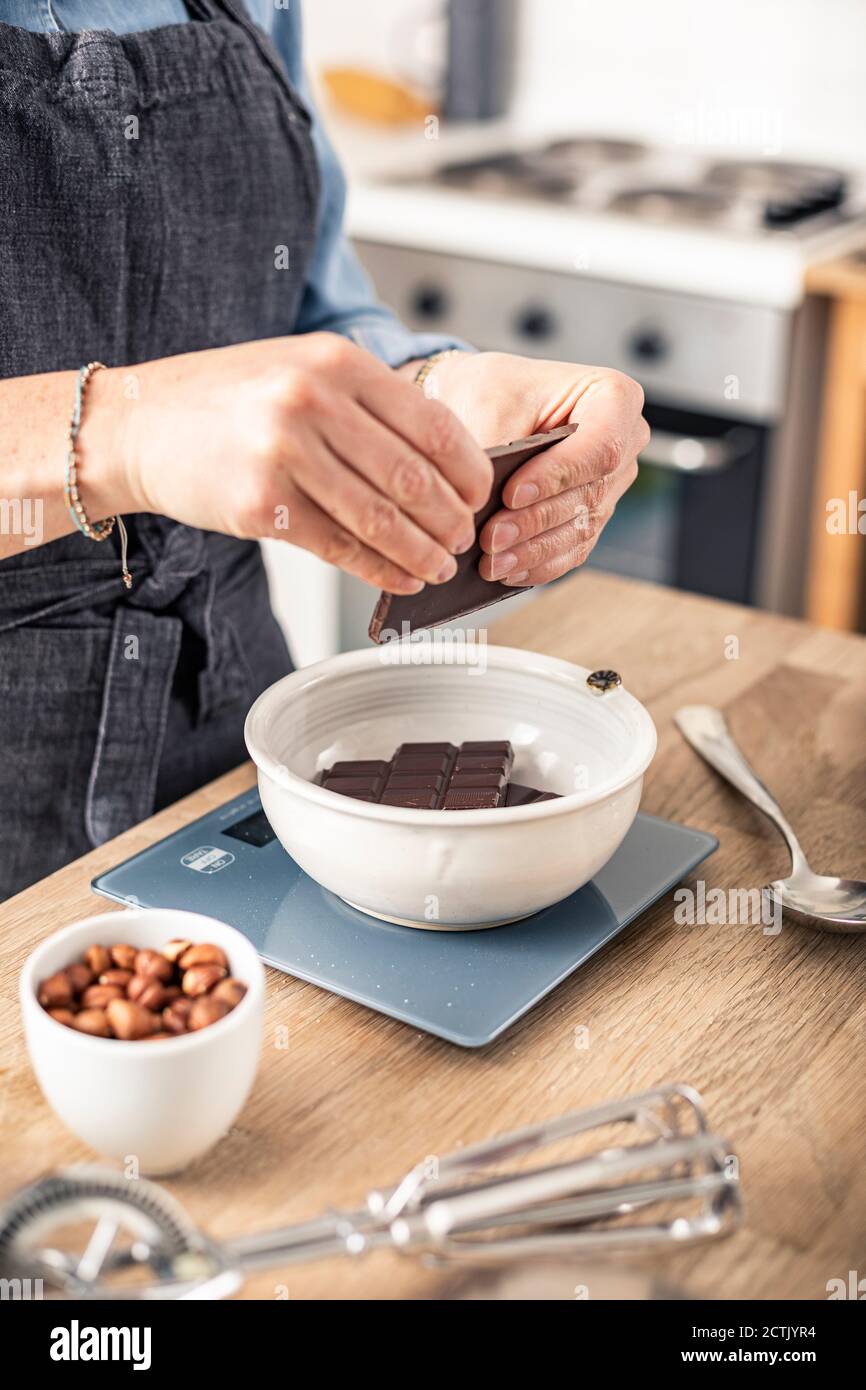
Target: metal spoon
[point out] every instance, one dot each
(816, 900)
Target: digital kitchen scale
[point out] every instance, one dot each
(466, 987)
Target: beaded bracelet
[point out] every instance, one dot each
(100, 530)
(427, 366)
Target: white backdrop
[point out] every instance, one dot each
(781, 77)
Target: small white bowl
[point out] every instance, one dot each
(450, 869)
(161, 1103)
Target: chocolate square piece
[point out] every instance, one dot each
(410, 797)
(444, 750)
(362, 767)
(471, 799)
(420, 762)
(478, 779)
(347, 785)
(467, 591)
(518, 795)
(422, 780)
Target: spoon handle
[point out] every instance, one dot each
(706, 730)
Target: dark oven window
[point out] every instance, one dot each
(692, 517)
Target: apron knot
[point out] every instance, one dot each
(184, 580)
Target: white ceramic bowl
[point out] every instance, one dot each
(163, 1103)
(450, 869)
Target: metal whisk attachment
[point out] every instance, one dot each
(660, 1179)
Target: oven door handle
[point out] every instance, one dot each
(683, 453)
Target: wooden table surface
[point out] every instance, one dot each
(771, 1029)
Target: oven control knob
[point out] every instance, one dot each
(429, 302)
(649, 345)
(535, 322)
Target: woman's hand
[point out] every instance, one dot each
(307, 439)
(558, 503)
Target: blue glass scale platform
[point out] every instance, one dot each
(467, 987)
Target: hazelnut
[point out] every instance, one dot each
(93, 1021)
(124, 956)
(56, 991)
(229, 991)
(206, 1011)
(203, 954)
(79, 977)
(200, 978)
(175, 1016)
(97, 959)
(63, 1016)
(99, 996)
(148, 992)
(116, 977)
(174, 949)
(143, 995)
(153, 964)
(152, 996)
(131, 1021)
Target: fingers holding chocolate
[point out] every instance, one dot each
(589, 503)
(415, 486)
(433, 431)
(315, 531)
(550, 554)
(540, 552)
(468, 590)
(612, 433)
(366, 514)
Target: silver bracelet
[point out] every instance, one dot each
(94, 531)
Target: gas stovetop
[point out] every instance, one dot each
(638, 181)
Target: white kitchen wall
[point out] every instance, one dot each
(783, 77)
(776, 77)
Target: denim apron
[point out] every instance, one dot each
(149, 182)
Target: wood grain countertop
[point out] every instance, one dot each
(771, 1029)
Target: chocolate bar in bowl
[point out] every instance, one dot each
(471, 776)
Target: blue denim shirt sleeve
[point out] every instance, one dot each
(339, 296)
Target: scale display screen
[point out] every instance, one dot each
(253, 830)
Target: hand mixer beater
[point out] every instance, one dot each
(663, 1180)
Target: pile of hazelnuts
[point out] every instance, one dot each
(143, 995)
